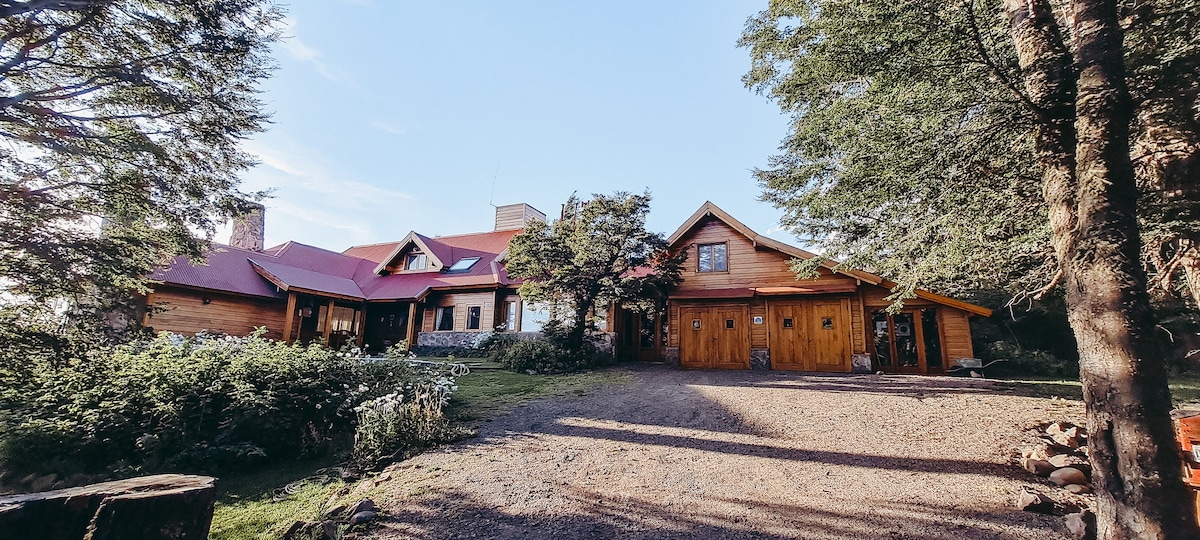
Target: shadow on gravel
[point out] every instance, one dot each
(924, 465)
(456, 514)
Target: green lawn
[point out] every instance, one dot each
(245, 508)
(1185, 388)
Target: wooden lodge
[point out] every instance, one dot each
(739, 305)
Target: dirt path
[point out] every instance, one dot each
(696, 454)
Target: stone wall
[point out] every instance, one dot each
(670, 356)
(860, 363)
(159, 507)
(760, 359)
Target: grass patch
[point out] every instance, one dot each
(482, 394)
(245, 509)
(1185, 388)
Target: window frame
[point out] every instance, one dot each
(713, 267)
(478, 311)
(416, 256)
(471, 262)
(439, 317)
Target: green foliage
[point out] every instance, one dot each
(405, 420)
(122, 123)
(186, 404)
(548, 355)
(599, 254)
(911, 147)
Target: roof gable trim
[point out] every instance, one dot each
(411, 239)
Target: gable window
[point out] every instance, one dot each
(445, 318)
(473, 318)
(463, 264)
(415, 261)
(711, 258)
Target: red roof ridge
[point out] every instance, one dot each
(514, 231)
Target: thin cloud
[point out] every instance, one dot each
(311, 173)
(302, 52)
(388, 128)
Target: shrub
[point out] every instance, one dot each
(407, 419)
(546, 355)
(1026, 361)
(189, 404)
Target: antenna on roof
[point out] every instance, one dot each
(492, 197)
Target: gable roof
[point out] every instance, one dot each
(353, 274)
(709, 209)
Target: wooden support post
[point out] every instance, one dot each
(288, 317)
(149, 310)
(520, 313)
(328, 322)
(360, 325)
(411, 334)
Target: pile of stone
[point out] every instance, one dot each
(336, 522)
(1061, 457)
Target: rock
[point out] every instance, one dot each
(1068, 460)
(1037, 466)
(329, 530)
(362, 517)
(1078, 489)
(159, 507)
(1035, 502)
(365, 505)
(1066, 434)
(976, 374)
(297, 530)
(1082, 525)
(335, 511)
(1068, 475)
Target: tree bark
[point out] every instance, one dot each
(1135, 460)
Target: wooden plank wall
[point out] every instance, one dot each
(186, 313)
(486, 301)
(956, 333)
(758, 332)
(748, 267)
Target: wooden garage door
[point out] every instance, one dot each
(810, 335)
(715, 336)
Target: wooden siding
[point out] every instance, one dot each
(748, 266)
(858, 335)
(956, 333)
(758, 332)
(185, 312)
(515, 216)
(486, 301)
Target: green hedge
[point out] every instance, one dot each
(206, 403)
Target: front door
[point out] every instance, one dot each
(810, 335)
(715, 336)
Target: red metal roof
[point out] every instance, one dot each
(350, 273)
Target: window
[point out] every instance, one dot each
(415, 261)
(444, 319)
(463, 264)
(510, 316)
(729, 323)
(473, 318)
(711, 258)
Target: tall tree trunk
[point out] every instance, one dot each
(1136, 464)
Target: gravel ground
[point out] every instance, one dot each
(736, 454)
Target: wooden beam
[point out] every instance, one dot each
(361, 325)
(328, 322)
(411, 334)
(149, 310)
(288, 317)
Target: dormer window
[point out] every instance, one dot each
(415, 261)
(463, 264)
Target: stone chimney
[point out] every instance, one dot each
(515, 216)
(248, 228)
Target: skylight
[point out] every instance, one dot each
(463, 264)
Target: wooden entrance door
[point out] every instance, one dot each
(810, 335)
(907, 342)
(714, 336)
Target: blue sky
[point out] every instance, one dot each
(390, 116)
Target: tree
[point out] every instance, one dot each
(121, 122)
(990, 141)
(599, 254)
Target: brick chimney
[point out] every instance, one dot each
(248, 228)
(515, 216)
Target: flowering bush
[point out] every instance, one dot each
(201, 403)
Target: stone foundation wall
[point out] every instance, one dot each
(760, 359)
(670, 355)
(860, 363)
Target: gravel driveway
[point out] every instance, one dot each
(736, 454)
